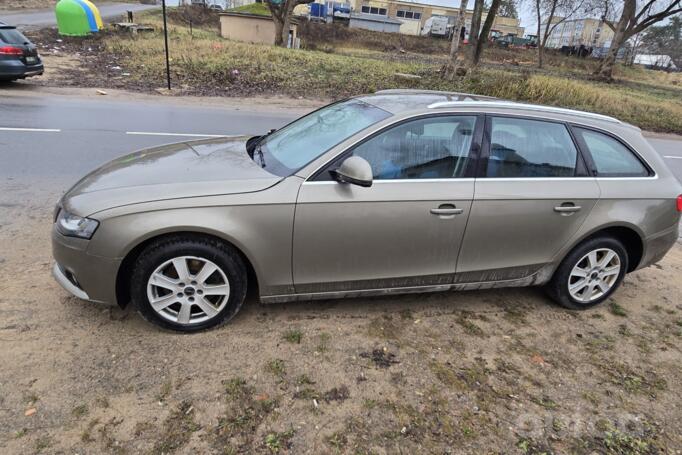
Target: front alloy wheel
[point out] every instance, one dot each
(188, 290)
(188, 282)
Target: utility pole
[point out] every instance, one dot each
(165, 37)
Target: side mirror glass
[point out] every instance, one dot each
(354, 170)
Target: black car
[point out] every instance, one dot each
(19, 57)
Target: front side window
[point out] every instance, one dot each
(365, 9)
(610, 157)
(428, 148)
(530, 148)
(297, 144)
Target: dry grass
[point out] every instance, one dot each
(203, 63)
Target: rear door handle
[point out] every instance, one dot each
(567, 208)
(447, 210)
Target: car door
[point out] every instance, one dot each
(403, 231)
(532, 195)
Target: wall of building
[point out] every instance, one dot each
(397, 9)
(374, 25)
(587, 32)
(251, 29)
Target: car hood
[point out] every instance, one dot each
(186, 169)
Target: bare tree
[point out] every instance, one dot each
(452, 65)
(632, 20)
(282, 11)
(475, 24)
(561, 10)
(482, 40)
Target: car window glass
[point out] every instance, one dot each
(292, 147)
(430, 148)
(12, 36)
(610, 156)
(530, 148)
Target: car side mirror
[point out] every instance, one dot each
(354, 170)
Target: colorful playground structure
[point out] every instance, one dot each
(77, 17)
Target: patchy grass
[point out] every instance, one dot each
(617, 310)
(177, 429)
(204, 63)
(278, 441)
(277, 368)
(79, 411)
(259, 9)
(293, 336)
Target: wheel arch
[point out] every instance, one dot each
(629, 235)
(133, 252)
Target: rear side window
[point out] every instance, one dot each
(530, 148)
(12, 36)
(611, 158)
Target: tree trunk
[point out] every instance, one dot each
(605, 69)
(279, 30)
(451, 67)
(475, 26)
(620, 35)
(485, 31)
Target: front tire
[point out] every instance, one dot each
(188, 283)
(590, 273)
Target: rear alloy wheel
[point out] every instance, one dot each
(594, 275)
(589, 274)
(188, 283)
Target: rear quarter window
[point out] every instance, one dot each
(611, 158)
(12, 36)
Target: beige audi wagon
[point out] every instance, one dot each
(399, 191)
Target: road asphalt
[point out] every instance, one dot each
(62, 138)
(27, 19)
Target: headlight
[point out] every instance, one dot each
(75, 226)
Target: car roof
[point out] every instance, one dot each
(401, 101)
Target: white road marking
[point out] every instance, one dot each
(672, 157)
(32, 130)
(145, 133)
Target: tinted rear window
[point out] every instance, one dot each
(610, 157)
(12, 36)
(530, 148)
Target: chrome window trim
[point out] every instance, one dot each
(486, 179)
(383, 181)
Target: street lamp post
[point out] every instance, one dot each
(165, 38)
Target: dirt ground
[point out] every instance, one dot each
(499, 371)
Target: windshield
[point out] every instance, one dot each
(297, 144)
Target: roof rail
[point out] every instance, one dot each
(527, 107)
(416, 91)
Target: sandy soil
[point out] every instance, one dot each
(498, 371)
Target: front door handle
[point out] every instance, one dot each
(447, 210)
(566, 208)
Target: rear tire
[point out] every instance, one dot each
(188, 283)
(589, 274)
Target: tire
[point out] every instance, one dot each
(208, 292)
(567, 287)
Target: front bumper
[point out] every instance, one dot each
(85, 276)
